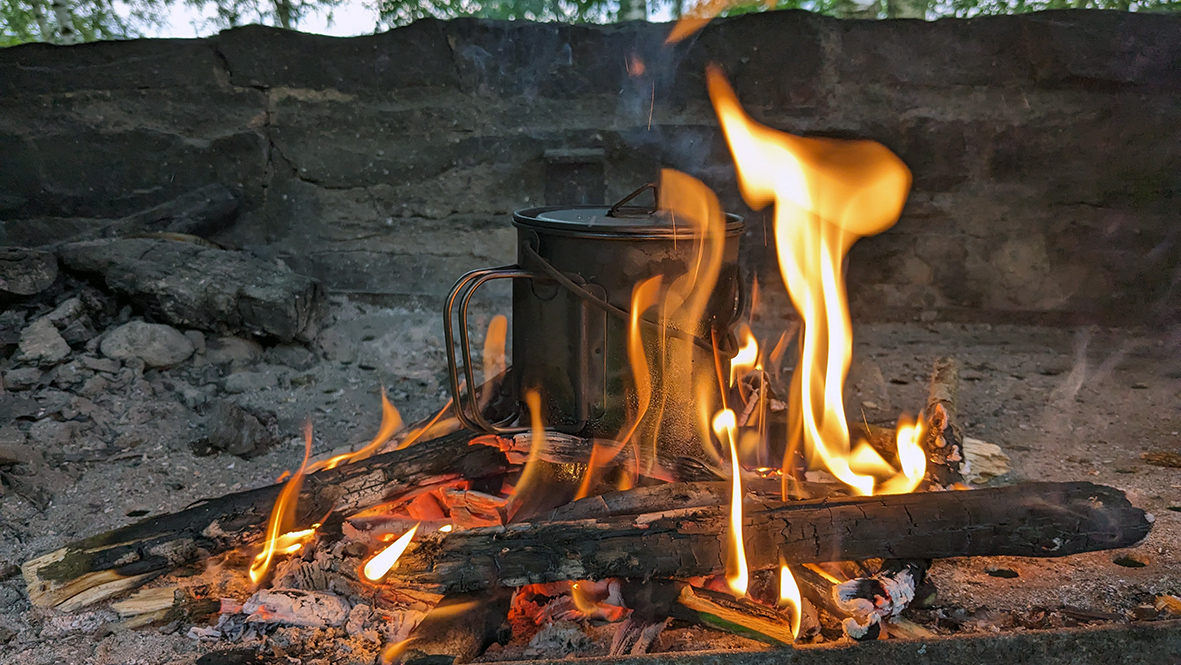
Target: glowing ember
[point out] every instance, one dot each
(383, 561)
(827, 194)
(737, 575)
(789, 596)
(282, 514)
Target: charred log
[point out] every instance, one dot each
(97, 567)
(1036, 519)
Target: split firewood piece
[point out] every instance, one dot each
(636, 636)
(944, 441)
(740, 616)
(101, 566)
(1034, 519)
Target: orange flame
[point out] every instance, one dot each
(391, 421)
(737, 575)
(746, 358)
(644, 295)
(827, 194)
(494, 355)
(282, 514)
(699, 15)
(381, 563)
(529, 473)
(789, 596)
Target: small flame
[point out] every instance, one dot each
(537, 443)
(911, 457)
(582, 600)
(789, 596)
(292, 541)
(282, 514)
(746, 358)
(700, 14)
(391, 421)
(726, 425)
(494, 355)
(826, 194)
(391, 651)
(446, 528)
(383, 561)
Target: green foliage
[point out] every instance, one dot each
(34, 20)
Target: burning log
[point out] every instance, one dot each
(98, 567)
(1035, 519)
(740, 616)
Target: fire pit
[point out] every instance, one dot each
(663, 463)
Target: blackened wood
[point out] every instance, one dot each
(194, 286)
(236, 520)
(1035, 519)
(459, 629)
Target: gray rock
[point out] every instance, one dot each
(235, 351)
(156, 344)
(72, 373)
(197, 338)
(42, 344)
(237, 431)
(10, 435)
(94, 387)
(249, 382)
(73, 321)
(105, 365)
(22, 378)
(336, 346)
(26, 272)
(291, 355)
(49, 432)
(197, 286)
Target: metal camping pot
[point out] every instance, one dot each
(573, 280)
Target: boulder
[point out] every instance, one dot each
(157, 345)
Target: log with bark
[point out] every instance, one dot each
(1035, 519)
(98, 567)
(192, 285)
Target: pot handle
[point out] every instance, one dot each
(468, 412)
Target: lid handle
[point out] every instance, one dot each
(622, 210)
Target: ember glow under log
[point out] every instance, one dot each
(1034, 519)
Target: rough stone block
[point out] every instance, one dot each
(415, 56)
(1102, 49)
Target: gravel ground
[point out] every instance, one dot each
(1065, 404)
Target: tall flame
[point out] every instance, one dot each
(737, 575)
(282, 514)
(789, 596)
(383, 561)
(827, 193)
(529, 474)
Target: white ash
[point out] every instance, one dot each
(558, 640)
(887, 595)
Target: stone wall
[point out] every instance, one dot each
(1046, 148)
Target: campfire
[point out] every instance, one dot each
(645, 459)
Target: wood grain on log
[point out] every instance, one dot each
(193, 286)
(1035, 519)
(97, 567)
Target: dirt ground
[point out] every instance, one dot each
(1064, 404)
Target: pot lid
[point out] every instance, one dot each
(618, 221)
